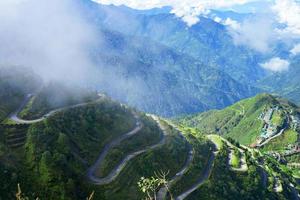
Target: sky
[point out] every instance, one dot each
(27, 26)
(271, 21)
(53, 44)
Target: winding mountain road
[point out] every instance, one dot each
(162, 193)
(117, 170)
(14, 116)
(271, 138)
(202, 180)
(243, 164)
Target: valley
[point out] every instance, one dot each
(149, 100)
(105, 168)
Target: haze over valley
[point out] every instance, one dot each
(119, 99)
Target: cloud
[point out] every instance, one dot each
(218, 19)
(59, 42)
(188, 10)
(232, 24)
(256, 33)
(296, 49)
(49, 36)
(276, 65)
(288, 13)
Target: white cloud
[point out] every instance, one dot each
(188, 10)
(276, 65)
(256, 33)
(296, 49)
(218, 19)
(232, 23)
(288, 13)
(51, 36)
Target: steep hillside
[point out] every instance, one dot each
(248, 121)
(159, 80)
(152, 75)
(264, 122)
(55, 95)
(208, 42)
(286, 84)
(15, 82)
(106, 147)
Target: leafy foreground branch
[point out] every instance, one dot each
(150, 186)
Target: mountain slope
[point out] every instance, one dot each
(265, 122)
(55, 95)
(245, 120)
(161, 81)
(286, 83)
(15, 82)
(106, 147)
(208, 41)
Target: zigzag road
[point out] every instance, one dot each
(14, 116)
(162, 193)
(117, 170)
(204, 177)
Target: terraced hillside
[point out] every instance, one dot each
(53, 96)
(106, 147)
(15, 82)
(251, 121)
(264, 122)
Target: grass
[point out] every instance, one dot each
(296, 172)
(202, 150)
(149, 135)
(217, 140)
(239, 121)
(168, 158)
(235, 159)
(277, 118)
(53, 96)
(8, 122)
(280, 143)
(27, 108)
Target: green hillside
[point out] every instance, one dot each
(284, 84)
(268, 123)
(243, 121)
(15, 82)
(58, 156)
(55, 95)
(67, 143)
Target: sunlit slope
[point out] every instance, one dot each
(246, 120)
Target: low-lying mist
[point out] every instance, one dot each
(49, 36)
(59, 42)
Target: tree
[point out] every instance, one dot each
(149, 186)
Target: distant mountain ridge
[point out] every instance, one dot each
(170, 83)
(163, 78)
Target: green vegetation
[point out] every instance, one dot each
(202, 151)
(50, 158)
(289, 137)
(149, 186)
(53, 96)
(217, 140)
(242, 121)
(235, 159)
(239, 121)
(15, 82)
(226, 184)
(59, 149)
(149, 135)
(175, 152)
(278, 118)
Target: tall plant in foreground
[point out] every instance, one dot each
(150, 186)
